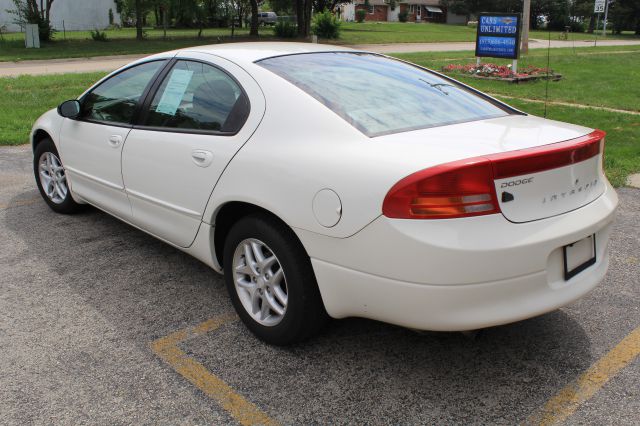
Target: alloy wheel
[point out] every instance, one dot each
(52, 177)
(260, 282)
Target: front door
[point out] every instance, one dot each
(92, 144)
(203, 112)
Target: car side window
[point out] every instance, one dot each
(198, 96)
(115, 100)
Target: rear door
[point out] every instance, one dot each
(194, 122)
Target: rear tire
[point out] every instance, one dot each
(51, 179)
(271, 281)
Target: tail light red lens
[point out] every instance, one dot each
(461, 188)
(465, 188)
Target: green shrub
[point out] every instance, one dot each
(98, 35)
(325, 25)
(577, 26)
(285, 29)
(360, 14)
(403, 16)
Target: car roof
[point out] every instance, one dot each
(251, 52)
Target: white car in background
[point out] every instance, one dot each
(267, 18)
(329, 182)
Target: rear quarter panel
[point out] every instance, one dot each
(301, 147)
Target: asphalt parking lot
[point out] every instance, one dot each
(101, 323)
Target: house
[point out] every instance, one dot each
(389, 10)
(69, 14)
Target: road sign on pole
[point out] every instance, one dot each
(599, 5)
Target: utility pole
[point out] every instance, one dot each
(526, 9)
(606, 14)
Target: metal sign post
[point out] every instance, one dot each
(598, 8)
(606, 14)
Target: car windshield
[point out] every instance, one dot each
(380, 95)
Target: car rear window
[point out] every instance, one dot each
(380, 95)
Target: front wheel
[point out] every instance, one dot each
(271, 282)
(52, 179)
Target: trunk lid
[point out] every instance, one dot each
(542, 168)
(550, 180)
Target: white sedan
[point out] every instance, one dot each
(329, 182)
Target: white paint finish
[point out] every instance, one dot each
(348, 293)
(551, 192)
(402, 271)
(327, 208)
(169, 188)
(50, 122)
(202, 157)
(93, 163)
(431, 252)
(317, 149)
(247, 53)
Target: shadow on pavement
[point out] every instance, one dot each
(356, 370)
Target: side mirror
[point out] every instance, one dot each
(69, 109)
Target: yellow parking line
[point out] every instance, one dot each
(167, 348)
(567, 401)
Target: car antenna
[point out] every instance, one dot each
(546, 86)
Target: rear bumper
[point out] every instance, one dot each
(458, 274)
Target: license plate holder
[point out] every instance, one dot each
(578, 256)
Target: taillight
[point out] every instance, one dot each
(458, 189)
(465, 188)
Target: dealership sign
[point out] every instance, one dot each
(498, 35)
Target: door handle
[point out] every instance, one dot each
(202, 158)
(115, 140)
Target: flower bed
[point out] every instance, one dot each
(501, 72)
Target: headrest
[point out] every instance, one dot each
(218, 91)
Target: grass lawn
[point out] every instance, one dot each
(120, 42)
(592, 76)
(23, 99)
(398, 32)
(623, 134)
(80, 44)
(597, 77)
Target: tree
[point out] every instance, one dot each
(28, 12)
(625, 16)
(468, 8)
(254, 18)
(303, 15)
(139, 35)
(330, 5)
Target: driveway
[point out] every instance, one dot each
(110, 63)
(102, 324)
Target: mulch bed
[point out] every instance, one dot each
(502, 72)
